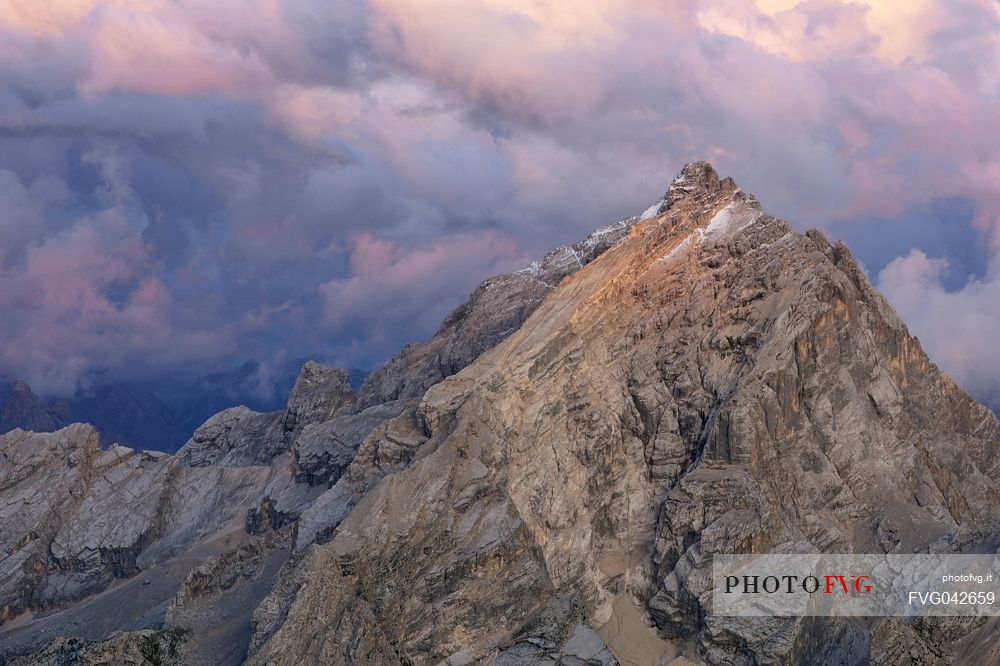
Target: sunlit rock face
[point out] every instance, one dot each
(547, 478)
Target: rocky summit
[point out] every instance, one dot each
(544, 481)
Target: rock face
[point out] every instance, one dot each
(547, 478)
(319, 393)
(240, 436)
(128, 648)
(75, 518)
(78, 518)
(235, 436)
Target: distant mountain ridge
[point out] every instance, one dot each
(155, 416)
(21, 408)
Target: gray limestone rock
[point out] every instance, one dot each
(132, 648)
(235, 437)
(548, 478)
(75, 518)
(239, 436)
(319, 393)
(323, 450)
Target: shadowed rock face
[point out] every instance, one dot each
(546, 480)
(240, 436)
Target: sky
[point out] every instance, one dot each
(187, 185)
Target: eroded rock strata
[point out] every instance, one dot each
(544, 481)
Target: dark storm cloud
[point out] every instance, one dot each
(188, 184)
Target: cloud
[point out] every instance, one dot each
(314, 112)
(395, 291)
(817, 30)
(156, 53)
(230, 180)
(895, 31)
(84, 296)
(27, 212)
(43, 18)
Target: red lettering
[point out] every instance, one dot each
(831, 582)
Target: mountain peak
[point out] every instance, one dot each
(702, 207)
(21, 387)
(698, 179)
(698, 171)
(21, 408)
(572, 448)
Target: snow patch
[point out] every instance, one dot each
(732, 218)
(727, 221)
(533, 267)
(597, 237)
(652, 211)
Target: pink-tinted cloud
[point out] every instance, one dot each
(895, 31)
(393, 288)
(62, 317)
(253, 168)
(154, 52)
(816, 30)
(45, 18)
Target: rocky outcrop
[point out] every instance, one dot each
(228, 587)
(322, 451)
(318, 395)
(235, 437)
(389, 448)
(42, 477)
(239, 436)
